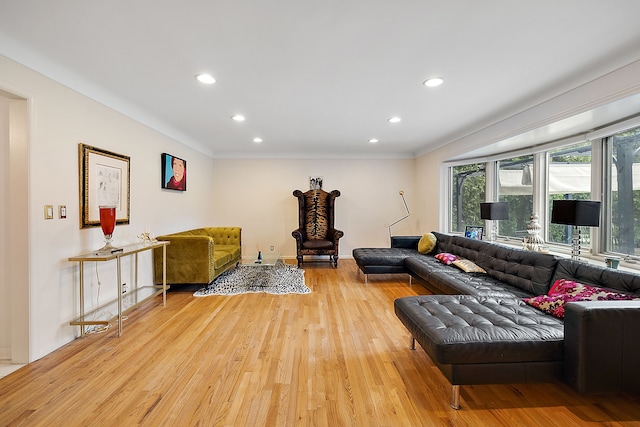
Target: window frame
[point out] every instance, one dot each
(600, 185)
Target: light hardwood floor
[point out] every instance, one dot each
(335, 357)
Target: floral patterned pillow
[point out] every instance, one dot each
(446, 258)
(564, 291)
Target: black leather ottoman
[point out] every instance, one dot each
(381, 260)
(484, 340)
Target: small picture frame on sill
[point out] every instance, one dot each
(315, 182)
(474, 232)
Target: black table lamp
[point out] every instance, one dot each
(494, 211)
(578, 213)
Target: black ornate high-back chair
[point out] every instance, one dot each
(315, 234)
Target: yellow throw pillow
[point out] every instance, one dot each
(427, 243)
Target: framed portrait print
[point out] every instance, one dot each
(474, 232)
(174, 173)
(104, 180)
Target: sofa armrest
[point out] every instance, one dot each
(189, 259)
(601, 346)
(405, 242)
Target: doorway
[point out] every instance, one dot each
(14, 229)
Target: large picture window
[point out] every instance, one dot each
(603, 166)
(569, 178)
(468, 183)
(515, 186)
(623, 193)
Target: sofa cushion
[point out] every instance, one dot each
(530, 272)
(464, 329)
(317, 244)
(427, 243)
(382, 256)
(234, 250)
(221, 258)
(460, 246)
(564, 291)
(608, 278)
(447, 279)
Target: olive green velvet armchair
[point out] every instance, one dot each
(198, 256)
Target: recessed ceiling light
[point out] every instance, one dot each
(257, 140)
(395, 119)
(373, 140)
(433, 82)
(238, 118)
(206, 79)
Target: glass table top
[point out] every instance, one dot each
(268, 258)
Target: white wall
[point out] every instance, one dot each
(257, 195)
(60, 119)
(5, 332)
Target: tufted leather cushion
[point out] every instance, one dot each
(448, 279)
(598, 276)
(528, 271)
(382, 256)
(464, 329)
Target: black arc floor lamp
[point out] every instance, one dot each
(404, 217)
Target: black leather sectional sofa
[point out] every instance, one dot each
(477, 329)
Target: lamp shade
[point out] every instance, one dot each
(494, 210)
(576, 212)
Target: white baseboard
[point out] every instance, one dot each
(5, 354)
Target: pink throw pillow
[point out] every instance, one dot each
(564, 291)
(446, 258)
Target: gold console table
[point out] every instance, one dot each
(124, 302)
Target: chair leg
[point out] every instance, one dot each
(299, 257)
(455, 397)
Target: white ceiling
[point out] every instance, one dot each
(320, 78)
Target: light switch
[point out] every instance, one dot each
(48, 211)
(62, 211)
